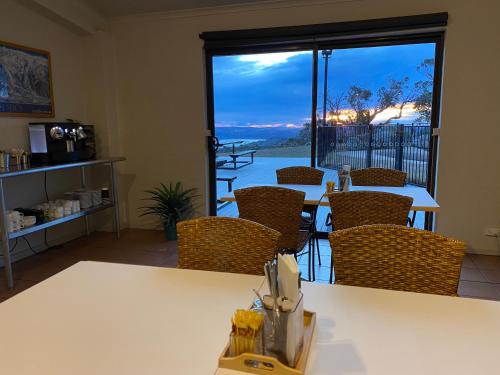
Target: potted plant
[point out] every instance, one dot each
(171, 204)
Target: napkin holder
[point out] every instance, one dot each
(284, 333)
(266, 365)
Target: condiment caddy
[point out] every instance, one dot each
(274, 336)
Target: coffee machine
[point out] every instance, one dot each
(61, 142)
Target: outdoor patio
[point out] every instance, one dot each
(263, 171)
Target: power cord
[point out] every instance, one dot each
(29, 245)
(16, 243)
(45, 186)
(47, 198)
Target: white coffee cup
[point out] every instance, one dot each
(14, 221)
(59, 212)
(29, 221)
(75, 206)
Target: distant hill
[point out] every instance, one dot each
(255, 133)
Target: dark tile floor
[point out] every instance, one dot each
(144, 247)
(480, 276)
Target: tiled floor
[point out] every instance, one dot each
(480, 273)
(144, 247)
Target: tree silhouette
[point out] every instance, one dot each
(360, 106)
(423, 99)
(395, 95)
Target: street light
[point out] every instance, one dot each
(326, 54)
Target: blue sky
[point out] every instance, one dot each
(275, 89)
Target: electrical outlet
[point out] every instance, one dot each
(494, 232)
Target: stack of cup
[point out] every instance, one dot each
(14, 221)
(68, 208)
(75, 206)
(85, 199)
(55, 211)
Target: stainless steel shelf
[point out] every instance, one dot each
(15, 172)
(19, 171)
(65, 219)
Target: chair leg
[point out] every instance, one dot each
(319, 255)
(411, 221)
(315, 235)
(331, 269)
(328, 220)
(309, 260)
(317, 244)
(312, 262)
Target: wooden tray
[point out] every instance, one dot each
(264, 365)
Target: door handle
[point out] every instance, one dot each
(214, 143)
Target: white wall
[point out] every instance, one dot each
(22, 25)
(160, 99)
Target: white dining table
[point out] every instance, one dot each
(315, 194)
(103, 318)
(113, 319)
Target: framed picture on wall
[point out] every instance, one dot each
(25, 82)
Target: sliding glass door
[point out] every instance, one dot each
(262, 118)
(375, 107)
(370, 102)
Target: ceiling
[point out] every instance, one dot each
(114, 8)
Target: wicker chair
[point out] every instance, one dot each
(397, 257)
(280, 209)
(355, 208)
(378, 177)
(300, 176)
(304, 176)
(225, 244)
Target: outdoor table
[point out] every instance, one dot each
(315, 194)
(104, 318)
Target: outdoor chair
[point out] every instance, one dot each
(224, 244)
(398, 258)
(304, 176)
(381, 177)
(299, 176)
(378, 177)
(279, 209)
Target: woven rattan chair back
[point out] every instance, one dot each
(299, 176)
(225, 244)
(378, 177)
(355, 208)
(275, 207)
(398, 258)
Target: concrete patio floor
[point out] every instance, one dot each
(263, 171)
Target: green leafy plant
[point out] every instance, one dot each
(171, 204)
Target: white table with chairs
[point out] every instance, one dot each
(422, 200)
(103, 318)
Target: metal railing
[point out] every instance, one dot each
(402, 147)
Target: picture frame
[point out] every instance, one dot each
(25, 81)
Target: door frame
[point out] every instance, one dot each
(210, 106)
(437, 37)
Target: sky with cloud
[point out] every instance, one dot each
(274, 90)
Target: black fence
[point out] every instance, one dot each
(402, 147)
